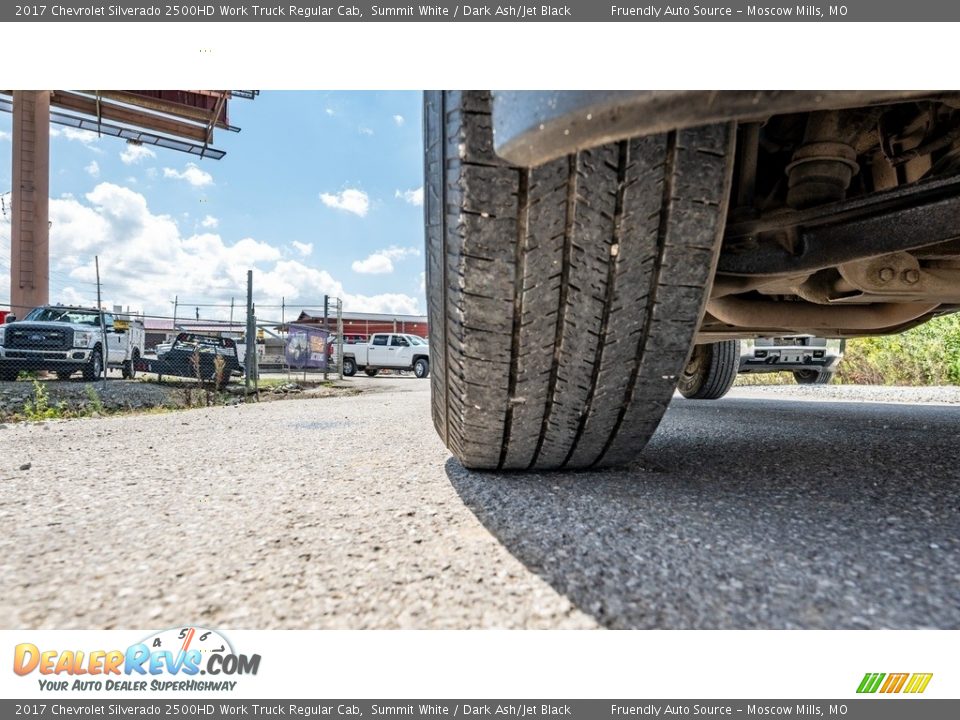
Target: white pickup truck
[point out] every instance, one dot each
(394, 351)
(66, 339)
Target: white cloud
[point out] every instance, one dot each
(399, 120)
(191, 174)
(210, 222)
(302, 248)
(89, 139)
(423, 282)
(4, 135)
(330, 112)
(352, 200)
(365, 130)
(381, 262)
(93, 169)
(134, 153)
(414, 197)
(145, 261)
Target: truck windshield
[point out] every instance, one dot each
(64, 315)
(416, 340)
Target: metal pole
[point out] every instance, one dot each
(103, 323)
(340, 338)
(176, 299)
(231, 314)
(326, 307)
(251, 336)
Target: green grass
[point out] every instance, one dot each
(926, 355)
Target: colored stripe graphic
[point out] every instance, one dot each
(918, 682)
(870, 682)
(894, 682)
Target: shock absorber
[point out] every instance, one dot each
(822, 168)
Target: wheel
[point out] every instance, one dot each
(130, 366)
(563, 300)
(64, 374)
(421, 368)
(812, 377)
(711, 370)
(94, 369)
(372, 372)
(349, 367)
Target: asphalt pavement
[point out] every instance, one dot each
(788, 507)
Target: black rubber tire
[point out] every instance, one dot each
(130, 366)
(421, 368)
(64, 375)
(563, 300)
(349, 367)
(94, 369)
(812, 377)
(711, 370)
(371, 372)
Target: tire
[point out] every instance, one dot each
(372, 372)
(64, 374)
(563, 300)
(130, 366)
(812, 377)
(711, 370)
(94, 369)
(421, 368)
(349, 367)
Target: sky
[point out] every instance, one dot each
(320, 192)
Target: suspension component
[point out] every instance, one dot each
(824, 165)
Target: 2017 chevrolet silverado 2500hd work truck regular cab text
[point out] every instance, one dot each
(394, 351)
(66, 340)
(587, 250)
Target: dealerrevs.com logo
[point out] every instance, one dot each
(168, 660)
(888, 683)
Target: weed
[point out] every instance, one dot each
(39, 408)
(94, 403)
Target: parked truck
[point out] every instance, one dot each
(65, 340)
(394, 351)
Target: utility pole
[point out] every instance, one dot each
(231, 314)
(176, 299)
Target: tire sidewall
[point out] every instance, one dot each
(421, 368)
(94, 370)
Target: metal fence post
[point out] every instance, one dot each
(251, 350)
(340, 338)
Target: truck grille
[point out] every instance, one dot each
(42, 338)
(20, 355)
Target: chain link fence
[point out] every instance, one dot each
(58, 355)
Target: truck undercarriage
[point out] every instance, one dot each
(842, 221)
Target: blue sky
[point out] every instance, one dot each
(319, 192)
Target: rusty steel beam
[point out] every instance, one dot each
(30, 231)
(129, 116)
(169, 107)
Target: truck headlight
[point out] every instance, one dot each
(82, 338)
